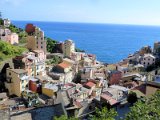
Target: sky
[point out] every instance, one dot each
(143, 12)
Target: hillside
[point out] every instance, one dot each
(8, 51)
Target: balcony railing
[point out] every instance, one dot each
(25, 77)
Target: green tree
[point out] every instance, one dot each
(55, 60)
(64, 117)
(132, 97)
(104, 114)
(149, 109)
(79, 50)
(50, 44)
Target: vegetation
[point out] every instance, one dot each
(78, 77)
(149, 109)
(132, 97)
(79, 50)
(21, 33)
(100, 114)
(64, 117)
(104, 114)
(1, 21)
(7, 50)
(55, 60)
(50, 44)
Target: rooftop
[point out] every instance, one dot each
(109, 99)
(119, 87)
(51, 86)
(89, 84)
(38, 51)
(148, 55)
(64, 65)
(18, 71)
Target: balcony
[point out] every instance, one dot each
(25, 77)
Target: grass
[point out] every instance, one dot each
(8, 51)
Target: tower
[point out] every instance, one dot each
(68, 48)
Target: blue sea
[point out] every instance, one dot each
(110, 42)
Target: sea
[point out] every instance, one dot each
(109, 42)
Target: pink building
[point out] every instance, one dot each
(13, 38)
(40, 54)
(114, 77)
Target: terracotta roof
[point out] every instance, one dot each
(63, 65)
(110, 100)
(89, 84)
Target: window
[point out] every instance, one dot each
(144, 63)
(153, 59)
(148, 63)
(41, 46)
(9, 73)
(41, 42)
(148, 59)
(22, 81)
(144, 58)
(37, 46)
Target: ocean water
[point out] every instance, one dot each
(110, 42)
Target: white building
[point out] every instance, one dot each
(68, 48)
(6, 22)
(38, 66)
(147, 60)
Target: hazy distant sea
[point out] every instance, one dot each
(110, 42)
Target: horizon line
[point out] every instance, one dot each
(133, 24)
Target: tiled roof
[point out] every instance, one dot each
(89, 84)
(63, 65)
(110, 100)
(148, 55)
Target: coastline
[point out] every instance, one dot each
(101, 40)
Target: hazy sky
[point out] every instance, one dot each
(94, 11)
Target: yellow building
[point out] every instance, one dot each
(36, 41)
(68, 48)
(17, 80)
(49, 89)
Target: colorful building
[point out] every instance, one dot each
(49, 89)
(114, 77)
(147, 60)
(6, 22)
(35, 39)
(17, 81)
(68, 48)
(32, 64)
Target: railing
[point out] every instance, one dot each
(25, 77)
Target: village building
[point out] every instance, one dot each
(114, 77)
(156, 48)
(17, 81)
(145, 50)
(147, 60)
(32, 64)
(68, 48)
(35, 38)
(62, 72)
(6, 22)
(7, 36)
